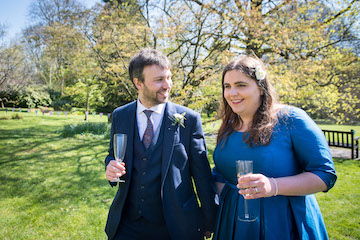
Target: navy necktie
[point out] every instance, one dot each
(149, 132)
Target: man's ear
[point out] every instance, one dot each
(137, 83)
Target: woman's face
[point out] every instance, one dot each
(242, 94)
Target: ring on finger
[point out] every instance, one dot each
(256, 190)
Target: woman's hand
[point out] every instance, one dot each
(253, 186)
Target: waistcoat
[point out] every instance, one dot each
(144, 197)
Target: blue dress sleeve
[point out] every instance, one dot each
(311, 148)
(218, 177)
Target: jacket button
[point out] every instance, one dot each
(144, 158)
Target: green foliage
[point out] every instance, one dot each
(85, 128)
(322, 87)
(36, 96)
(62, 105)
(30, 96)
(119, 32)
(16, 116)
(45, 109)
(310, 48)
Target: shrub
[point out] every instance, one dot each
(62, 105)
(35, 96)
(16, 116)
(45, 109)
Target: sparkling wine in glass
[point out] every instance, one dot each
(245, 167)
(120, 141)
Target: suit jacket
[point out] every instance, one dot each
(188, 212)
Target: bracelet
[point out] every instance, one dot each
(276, 187)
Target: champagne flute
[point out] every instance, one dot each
(120, 141)
(245, 167)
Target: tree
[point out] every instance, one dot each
(117, 33)
(2, 30)
(85, 91)
(295, 38)
(14, 69)
(53, 36)
(310, 48)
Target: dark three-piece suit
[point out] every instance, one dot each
(159, 180)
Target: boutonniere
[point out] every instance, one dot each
(260, 73)
(178, 118)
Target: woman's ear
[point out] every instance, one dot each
(262, 92)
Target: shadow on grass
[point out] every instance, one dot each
(38, 164)
(346, 161)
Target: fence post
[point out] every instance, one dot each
(352, 143)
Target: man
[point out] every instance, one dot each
(165, 157)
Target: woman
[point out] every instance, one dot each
(291, 159)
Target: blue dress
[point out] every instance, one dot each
(297, 145)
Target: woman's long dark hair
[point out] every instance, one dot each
(262, 125)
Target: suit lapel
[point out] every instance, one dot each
(169, 137)
(130, 131)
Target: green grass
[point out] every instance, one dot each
(341, 205)
(53, 187)
(99, 128)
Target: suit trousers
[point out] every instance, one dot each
(141, 229)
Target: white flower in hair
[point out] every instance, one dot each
(260, 73)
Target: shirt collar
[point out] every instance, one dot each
(158, 108)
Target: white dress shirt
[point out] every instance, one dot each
(155, 118)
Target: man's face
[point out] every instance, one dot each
(156, 86)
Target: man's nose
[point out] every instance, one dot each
(167, 84)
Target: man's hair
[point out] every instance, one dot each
(147, 57)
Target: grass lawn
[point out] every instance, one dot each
(54, 188)
(51, 187)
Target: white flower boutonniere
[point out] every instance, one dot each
(260, 73)
(178, 118)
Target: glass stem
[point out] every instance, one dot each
(246, 209)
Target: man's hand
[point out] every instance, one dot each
(114, 170)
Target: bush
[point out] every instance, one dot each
(46, 109)
(16, 116)
(62, 105)
(88, 127)
(212, 107)
(35, 96)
